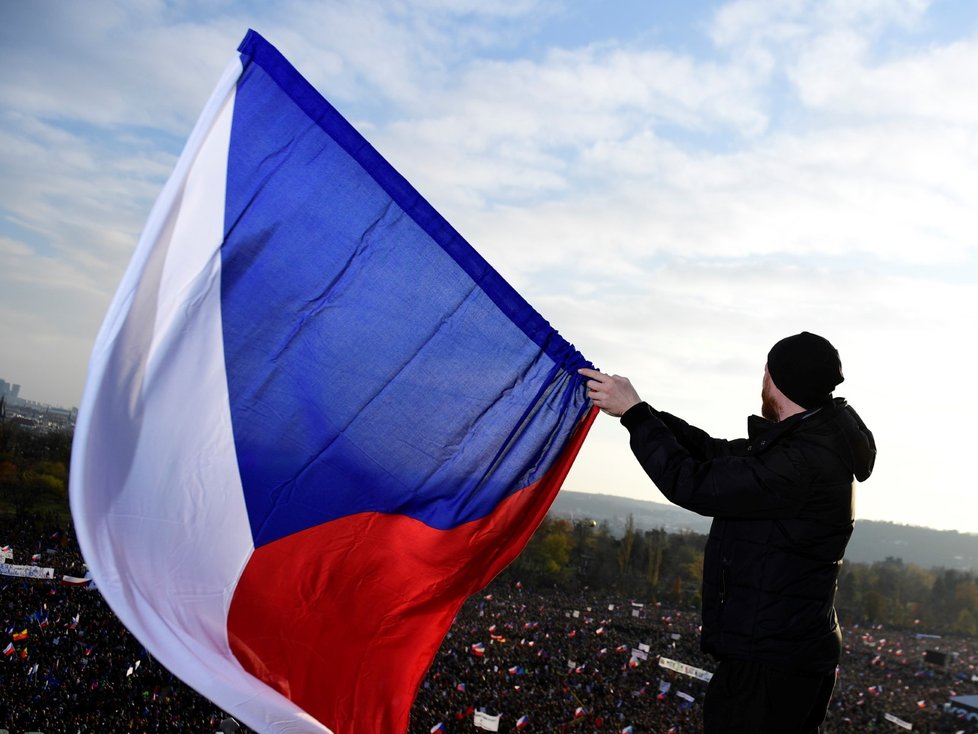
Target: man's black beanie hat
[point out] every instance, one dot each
(806, 368)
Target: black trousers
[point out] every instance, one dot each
(751, 698)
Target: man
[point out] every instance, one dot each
(781, 500)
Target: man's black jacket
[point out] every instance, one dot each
(782, 507)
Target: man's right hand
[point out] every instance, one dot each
(613, 394)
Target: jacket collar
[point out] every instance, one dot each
(761, 432)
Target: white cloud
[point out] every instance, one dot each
(895, 195)
(111, 64)
(788, 23)
(50, 309)
(82, 199)
(543, 114)
(578, 152)
(836, 75)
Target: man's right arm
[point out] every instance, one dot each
(726, 483)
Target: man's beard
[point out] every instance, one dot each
(769, 408)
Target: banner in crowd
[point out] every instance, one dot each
(899, 722)
(6, 553)
(316, 420)
(965, 707)
(482, 720)
(682, 668)
(30, 572)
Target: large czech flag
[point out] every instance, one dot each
(315, 420)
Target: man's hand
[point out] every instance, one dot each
(612, 393)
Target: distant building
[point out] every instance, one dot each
(58, 416)
(31, 414)
(11, 393)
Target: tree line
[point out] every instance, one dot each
(657, 566)
(33, 468)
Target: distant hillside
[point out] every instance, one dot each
(871, 541)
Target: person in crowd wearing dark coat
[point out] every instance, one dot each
(782, 503)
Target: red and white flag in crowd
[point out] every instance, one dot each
(75, 581)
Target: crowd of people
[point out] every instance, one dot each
(78, 669)
(568, 663)
(540, 661)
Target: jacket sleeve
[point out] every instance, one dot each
(696, 441)
(716, 478)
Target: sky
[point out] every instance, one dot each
(674, 186)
